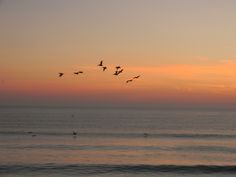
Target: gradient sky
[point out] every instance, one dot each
(184, 50)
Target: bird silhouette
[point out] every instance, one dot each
(116, 73)
(61, 74)
(104, 68)
(101, 62)
(145, 135)
(79, 72)
(120, 71)
(74, 133)
(130, 80)
(136, 77)
(118, 67)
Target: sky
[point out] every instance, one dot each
(184, 51)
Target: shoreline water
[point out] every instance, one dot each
(112, 142)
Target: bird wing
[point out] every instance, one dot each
(101, 63)
(120, 71)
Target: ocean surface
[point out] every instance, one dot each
(117, 142)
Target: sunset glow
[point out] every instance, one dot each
(182, 57)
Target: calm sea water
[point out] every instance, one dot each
(117, 142)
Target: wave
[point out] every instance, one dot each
(127, 135)
(60, 147)
(101, 169)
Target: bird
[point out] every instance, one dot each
(130, 80)
(74, 133)
(61, 74)
(145, 135)
(116, 73)
(104, 68)
(101, 62)
(79, 72)
(120, 71)
(136, 77)
(118, 67)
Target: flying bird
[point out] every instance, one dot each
(101, 62)
(130, 80)
(120, 71)
(116, 73)
(79, 72)
(104, 68)
(118, 67)
(136, 77)
(61, 74)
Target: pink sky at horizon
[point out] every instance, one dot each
(166, 83)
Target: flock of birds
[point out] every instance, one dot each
(118, 71)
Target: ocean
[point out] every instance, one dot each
(117, 142)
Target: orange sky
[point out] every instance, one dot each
(183, 50)
(207, 83)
